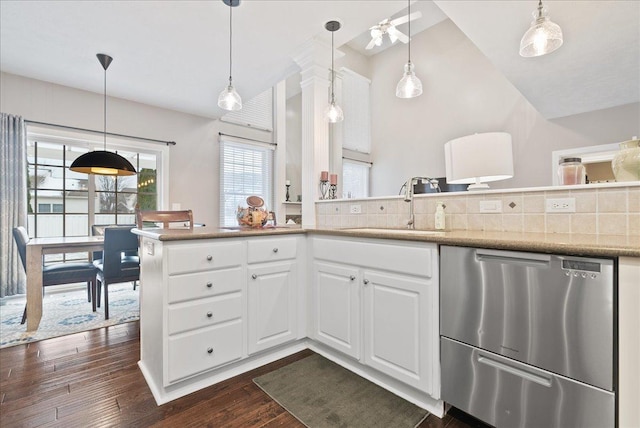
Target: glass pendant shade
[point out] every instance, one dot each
(229, 99)
(409, 86)
(333, 113)
(543, 37)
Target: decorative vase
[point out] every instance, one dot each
(626, 163)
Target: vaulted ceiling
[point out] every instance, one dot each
(174, 54)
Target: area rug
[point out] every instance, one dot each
(66, 313)
(320, 393)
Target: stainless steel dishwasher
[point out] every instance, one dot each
(527, 339)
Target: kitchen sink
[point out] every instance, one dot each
(374, 230)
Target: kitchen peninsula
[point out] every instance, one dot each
(218, 302)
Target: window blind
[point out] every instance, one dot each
(255, 113)
(245, 170)
(356, 129)
(355, 178)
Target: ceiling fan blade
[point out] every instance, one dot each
(406, 18)
(393, 32)
(371, 44)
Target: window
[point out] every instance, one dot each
(61, 202)
(355, 178)
(246, 169)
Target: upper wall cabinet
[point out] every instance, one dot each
(256, 113)
(356, 128)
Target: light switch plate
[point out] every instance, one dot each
(490, 206)
(149, 247)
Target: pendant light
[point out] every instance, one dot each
(102, 162)
(333, 113)
(229, 99)
(409, 86)
(542, 37)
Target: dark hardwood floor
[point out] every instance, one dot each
(91, 379)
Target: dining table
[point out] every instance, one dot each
(36, 249)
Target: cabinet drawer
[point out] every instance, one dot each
(203, 313)
(268, 250)
(199, 257)
(201, 350)
(204, 284)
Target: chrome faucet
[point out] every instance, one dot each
(408, 196)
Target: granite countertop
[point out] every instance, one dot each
(574, 244)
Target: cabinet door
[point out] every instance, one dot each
(272, 305)
(397, 327)
(336, 307)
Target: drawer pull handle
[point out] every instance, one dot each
(275, 250)
(209, 350)
(352, 277)
(209, 284)
(254, 276)
(540, 379)
(209, 314)
(209, 258)
(366, 281)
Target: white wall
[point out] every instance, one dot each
(463, 94)
(194, 160)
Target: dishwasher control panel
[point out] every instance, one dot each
(581, 268)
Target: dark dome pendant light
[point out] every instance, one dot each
(102, 162)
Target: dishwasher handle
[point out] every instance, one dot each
(514, 258)
(529, 373)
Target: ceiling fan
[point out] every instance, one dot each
(388, 26)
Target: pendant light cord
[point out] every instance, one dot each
(333, 72)
(409, 11)
(230, 37)
(105, 110)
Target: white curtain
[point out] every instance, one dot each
(13, 200)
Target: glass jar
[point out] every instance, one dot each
(626, 163)
(571, 171)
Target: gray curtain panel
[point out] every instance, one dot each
(13, 201)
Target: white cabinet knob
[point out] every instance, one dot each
(275, 250)
(209, 314)
(352, 277)
(209, 258)
(254, 276)
(209, 350)
(209, 284)
(366, 281)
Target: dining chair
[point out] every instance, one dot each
(59, 273)
(98, 230)
(164, 217)
(117, 264)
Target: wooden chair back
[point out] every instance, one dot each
(164, 217)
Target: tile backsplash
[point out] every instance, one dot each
(598, 210)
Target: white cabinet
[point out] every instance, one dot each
(377, 301)
(212, 306)
(397, 326)
(272, 305)
(204, 312)
(336, 307)
(272, 292)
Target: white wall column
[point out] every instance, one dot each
(314, 59)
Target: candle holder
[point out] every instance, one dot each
(324, 188)
(333, 189)
(287, 195)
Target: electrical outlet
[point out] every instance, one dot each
(561, 205)
(355, 209)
